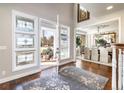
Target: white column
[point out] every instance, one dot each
(123, 69)
(120, 69)
(75, 44)
(88, 41)
(55, 42)
(114, 62)
(58, 42)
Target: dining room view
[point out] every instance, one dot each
(62, 46)
(94, 43)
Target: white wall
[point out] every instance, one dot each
(47, 11)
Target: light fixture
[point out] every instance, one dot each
(101, 27)
(109, 7)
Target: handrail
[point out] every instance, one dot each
(118, 45)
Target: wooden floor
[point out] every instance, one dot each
(95, 68)
(101, 70)
(12, 84)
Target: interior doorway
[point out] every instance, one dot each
(80, 43)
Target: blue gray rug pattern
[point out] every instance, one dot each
(68, 78)
(89, 79)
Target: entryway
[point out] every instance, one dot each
(48, 43)
(47, 46)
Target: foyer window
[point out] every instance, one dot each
(24, 41)
(25, 36)
(24, 24)
(24, 58)
(65, 42)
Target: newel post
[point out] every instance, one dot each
(117, 66)
(114, 67)
(120, 70)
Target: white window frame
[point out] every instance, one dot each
(61, 25)
(68, 31)
(52, 29)
(14, 32)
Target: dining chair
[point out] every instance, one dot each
(87, 54)
(94, 55)
(104, 55)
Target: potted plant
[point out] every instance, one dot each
(101, 42)
(78, 41)
(78, 45)
(49, 53)
(44, 53)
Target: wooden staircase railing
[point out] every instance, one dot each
(118, 67)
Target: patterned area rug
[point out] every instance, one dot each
(69, 78)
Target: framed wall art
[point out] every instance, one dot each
(82, 14)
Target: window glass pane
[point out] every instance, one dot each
(64, 43)
(24, 24)
(24, 58)
(64, 38)
(24, 41)
(64, 53)
(47, 48)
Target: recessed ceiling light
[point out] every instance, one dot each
(109, 7)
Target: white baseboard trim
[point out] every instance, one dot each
(6, 79)
(69, 61)
(62, 63)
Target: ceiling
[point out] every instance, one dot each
(99, 9)
(103, 27)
